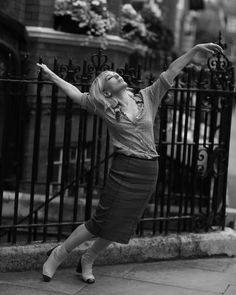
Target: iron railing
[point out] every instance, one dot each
(55, 156)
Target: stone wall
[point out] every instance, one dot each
(39, 13)
(14, 8)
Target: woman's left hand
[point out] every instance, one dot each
(204, 51)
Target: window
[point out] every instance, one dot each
(57, 166)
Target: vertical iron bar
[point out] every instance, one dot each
(222, 169)
(184, 151)
(84, 137)
(106, 158)
(51, 149)
(66, 151)
(227, 145)
(205, 139)
(171, 172)
(195, 155)
(84, 118)
(90, 180)
(163, 146)
(156, 203)
(189, 184)
(98, 154)
(4, 150)
(179, 162)
(78, 164)
(14, 110)
(80, 150)
(213, 126)
(35, 228)
(19, 151)
(34, 173)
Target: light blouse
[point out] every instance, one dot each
(134, 137)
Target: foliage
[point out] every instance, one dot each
(91, 17)
(158, 35)
(146, 27)
(132, 24)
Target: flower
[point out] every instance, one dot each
(91, 17)
(146, 27)
(132, 24)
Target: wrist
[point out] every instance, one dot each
(194, 50)
(53, 77)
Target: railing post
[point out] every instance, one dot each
(36, 143)
(89, 195)
(90, 178)
(66, 150)
(51, 148)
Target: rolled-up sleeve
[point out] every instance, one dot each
(157, 90)
(86, 103)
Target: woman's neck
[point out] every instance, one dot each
(124, 98)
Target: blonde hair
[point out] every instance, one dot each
(96, 91)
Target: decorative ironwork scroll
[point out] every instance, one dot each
(222, 75)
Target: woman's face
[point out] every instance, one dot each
(114, 83)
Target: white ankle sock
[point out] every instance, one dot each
(89, 257)
(87, 264)
(54, 260)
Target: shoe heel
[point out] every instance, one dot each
(79, 267)
(79, 271)
(46, 278)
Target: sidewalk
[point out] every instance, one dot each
(173, 277)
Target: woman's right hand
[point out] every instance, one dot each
(69, 89)
(45, 70)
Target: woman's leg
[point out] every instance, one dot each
(89, 257)
(77, 237)
(58, 255)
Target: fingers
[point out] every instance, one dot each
(215, 47)
(42, 66)
(211, 48)
(209, 51)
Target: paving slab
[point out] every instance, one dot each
(232, 267)
(212, 264)
(180, 274)
(9, 289)
(209, 276)
(64, 281)
(119, 286)
(231, 290)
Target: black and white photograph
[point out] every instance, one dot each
(117, 147)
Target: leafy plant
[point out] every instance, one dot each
(88, 17)
(146, 27)
(158, 35)
(133, 27)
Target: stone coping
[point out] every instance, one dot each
(173, 246)
(49, 35)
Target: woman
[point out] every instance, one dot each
(133, 174)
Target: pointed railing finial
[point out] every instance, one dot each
(223, 45)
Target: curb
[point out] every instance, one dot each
(174, 246)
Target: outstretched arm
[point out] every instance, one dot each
(196, 55)
(70, 90)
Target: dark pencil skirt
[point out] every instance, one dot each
(128, 189)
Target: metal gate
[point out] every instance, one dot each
(53, 168)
